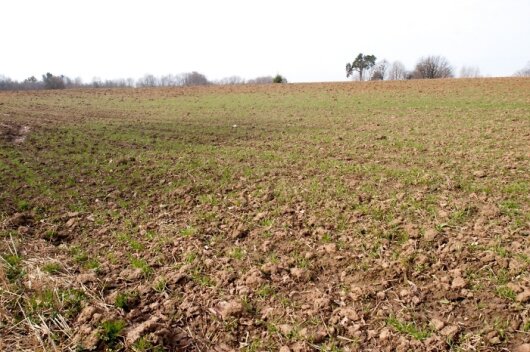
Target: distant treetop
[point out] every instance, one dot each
(279, 79)
(360, 64)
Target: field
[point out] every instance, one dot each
(335, 217)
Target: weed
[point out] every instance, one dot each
(526, 326)
(144, 345)
(237, 253)
(14, 268)
(111, 331)
(506, 292)
(52, 268)
(201, 278)
(23, 205)
(190, 257)
(254, 346)
(136, 246)
(326, 238)
(139, 263)
(127, 300)
(409, 328)
(161, 285)
(265, 291)
(51, 235)
(188, 231)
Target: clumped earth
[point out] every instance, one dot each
(378, 216)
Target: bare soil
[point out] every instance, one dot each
(378, 216)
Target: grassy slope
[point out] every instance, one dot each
(300, 201)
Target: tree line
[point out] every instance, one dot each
(51, 81)
(366, 67)
(363, 67)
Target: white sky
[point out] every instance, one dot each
(303, 40)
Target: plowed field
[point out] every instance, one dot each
(377, 216)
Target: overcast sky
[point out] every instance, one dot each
(306, 41)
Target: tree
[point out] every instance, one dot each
(232, 80)
(397, 71)
(195, 79)
(279, 79)
(147, 80)
(360, 64)
(524, 72)
(379, 71)
(432, 67)
(53, 82)
(261, 80)
(470, 72)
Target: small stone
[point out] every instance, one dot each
(131, 274)
(349, 313)
(330, 248)
(239, 233)
(299, 273)
(430, 234)
(523, 297)
(285, 349)
(458, 283)
(385, 334)
(479, 174)
(525, 347)
(395, 222)
(86, 278)
(260, 216)
(320, 335)
(86, 314)
(322, 303)
(285, 329)
(269, 268)
(230, 309)
(404, 293)
(449, 331)
(91, 340)
(371, 334)
(71, 222)
(495, 340)
(437, 324)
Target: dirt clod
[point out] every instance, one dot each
(134, 333)
(523, 297)
(458, 283)
(525, 347)
(229, 309)
(19, 219)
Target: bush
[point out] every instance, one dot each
(279, 79)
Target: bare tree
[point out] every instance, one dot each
(379, 71)
(7, 83)
(147, 81)
(470, 72)
(397, 71)
(261, 80)
(524, 72)
(171, 80)
(78, 82)
(232, 80)
(432, 67)
(195, 79)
